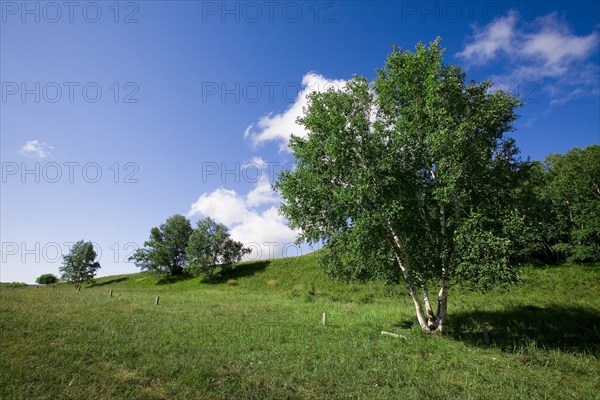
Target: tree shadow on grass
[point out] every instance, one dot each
(168, 279)
(109, 282)
(570, 329)
(239, 271)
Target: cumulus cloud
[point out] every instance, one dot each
(255, 162)
(262, 194)
(266, 227)
(37, 149)
(223, 205)
(544, 51)
(279, 127)
(487, 43)
(254, 218)
(265, 232)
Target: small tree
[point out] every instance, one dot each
(408, 178)
(164, 252)
(210, 246)
(79, 265)
(46, 279)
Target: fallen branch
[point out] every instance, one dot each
(384, 333)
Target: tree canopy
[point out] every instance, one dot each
(210, 245)
(175, 247)
(409, 177)
(46, 279)
(572, 192)
(80, 264)
(164, 252)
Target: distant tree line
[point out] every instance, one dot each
(560, 208)
(174, 248)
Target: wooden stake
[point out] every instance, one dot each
(110, 292)
(324, 320)
(157, 299)
(486, 335)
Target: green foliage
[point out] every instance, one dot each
(393, 173)
(79, 265)
(175, 248)
(164, 253)
(572, 189)
(558, 208)
(210, 246)
(348, 257)
(46, 279)
(478, 245)
(532, 221)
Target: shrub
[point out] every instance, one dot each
(46, 279)
(16, 285)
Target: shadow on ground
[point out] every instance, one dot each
(109, 282)
(240, 271)
(168, 279)
(572, 329)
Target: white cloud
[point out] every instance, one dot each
(266, 232)
(248, 224)
(279, 127)
(487, 43)
(255, 162)
(555, 45)
(262, 228)
(223, 205)
(545, 53)
(262, 193)
(37, 149)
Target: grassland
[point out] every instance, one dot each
(259, 336)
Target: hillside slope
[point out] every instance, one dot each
(263, 338)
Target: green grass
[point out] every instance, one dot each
(262, 338)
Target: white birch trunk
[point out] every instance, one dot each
(442, 305)
(431, 319)
(427, 324)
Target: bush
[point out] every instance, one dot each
(16, 285)
(46, 279)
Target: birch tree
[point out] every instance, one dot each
(408, 178)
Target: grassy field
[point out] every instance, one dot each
(260, 336)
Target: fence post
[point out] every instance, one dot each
(486, 335)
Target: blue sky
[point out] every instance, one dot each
(115, 116)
